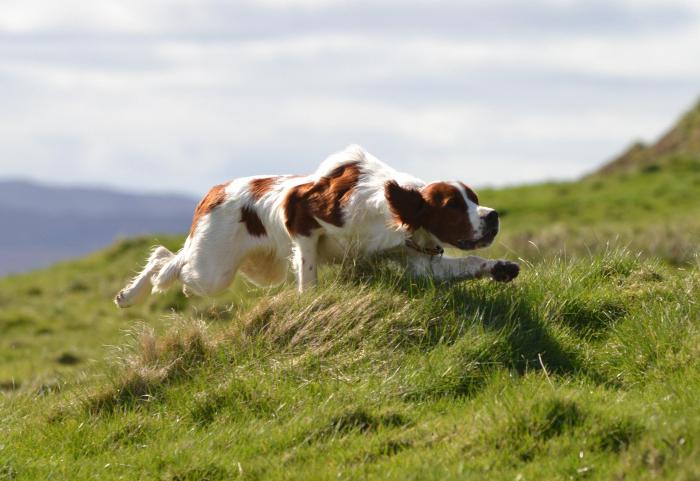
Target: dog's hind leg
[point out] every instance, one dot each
(138, 288)
(168, 273)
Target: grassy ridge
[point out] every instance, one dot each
(584, 368)
(652, 196)
(682, 140)
(656, 212)
(57, 321)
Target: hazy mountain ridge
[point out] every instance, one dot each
(44, 224)
(26, 195)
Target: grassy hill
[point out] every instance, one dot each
(581, 369)
(586, 367)
(680, 143)
(647, 199)
(654, 212)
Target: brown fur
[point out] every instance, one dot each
(260, 187)
(471, 195)
(214, 198)
(406, 204)
(439, 208)
(446, 216)
(252, 222)
(323, 199)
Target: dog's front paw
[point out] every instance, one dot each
(505, 271)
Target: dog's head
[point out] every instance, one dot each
(447, 211)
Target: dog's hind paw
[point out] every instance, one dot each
(121, 301)
(505, 271)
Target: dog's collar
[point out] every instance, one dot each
(435, 251)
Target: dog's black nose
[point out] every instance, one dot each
(491, 219)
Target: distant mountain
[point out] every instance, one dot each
(42, 224)
(680, 144)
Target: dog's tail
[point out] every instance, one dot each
(137, 289)
(168, 273)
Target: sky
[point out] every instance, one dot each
(155, 95)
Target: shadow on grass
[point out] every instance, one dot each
(482, 333)
(523, 339)
(486, 325)
(355, 421)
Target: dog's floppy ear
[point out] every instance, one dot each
(406, 204)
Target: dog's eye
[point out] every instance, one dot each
(452, 204)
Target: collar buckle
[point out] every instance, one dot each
(436, 251)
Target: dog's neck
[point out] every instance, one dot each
(424, 242)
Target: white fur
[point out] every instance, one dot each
(221, 246)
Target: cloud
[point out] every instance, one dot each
(37, 16)
(270, 18)
(178, 95)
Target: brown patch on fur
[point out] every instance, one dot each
(438, 207)
(260, 187)
(471, 195)
(214, 198)
(406, 204)
(252, 222)
(448, 217)
(323, 199)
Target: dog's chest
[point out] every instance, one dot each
(364, 233)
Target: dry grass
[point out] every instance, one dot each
(150, 362)
(326, 322)
(334, 322)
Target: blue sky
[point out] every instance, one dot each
(152, 95)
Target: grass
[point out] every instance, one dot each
(57, 321)
(584, 368)
(655, 212)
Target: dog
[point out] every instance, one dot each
(353, 205)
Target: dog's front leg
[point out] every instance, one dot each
(445, 268)
(305, 261)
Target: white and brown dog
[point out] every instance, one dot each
(354, 204)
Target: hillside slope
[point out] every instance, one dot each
(655, 212)
(580, 369)
(56, 322)
(648, 199)
(681, 144)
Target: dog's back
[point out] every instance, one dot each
(250, 224)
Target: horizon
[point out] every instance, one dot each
(139, 99)
(121, 189)
(116, 188)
